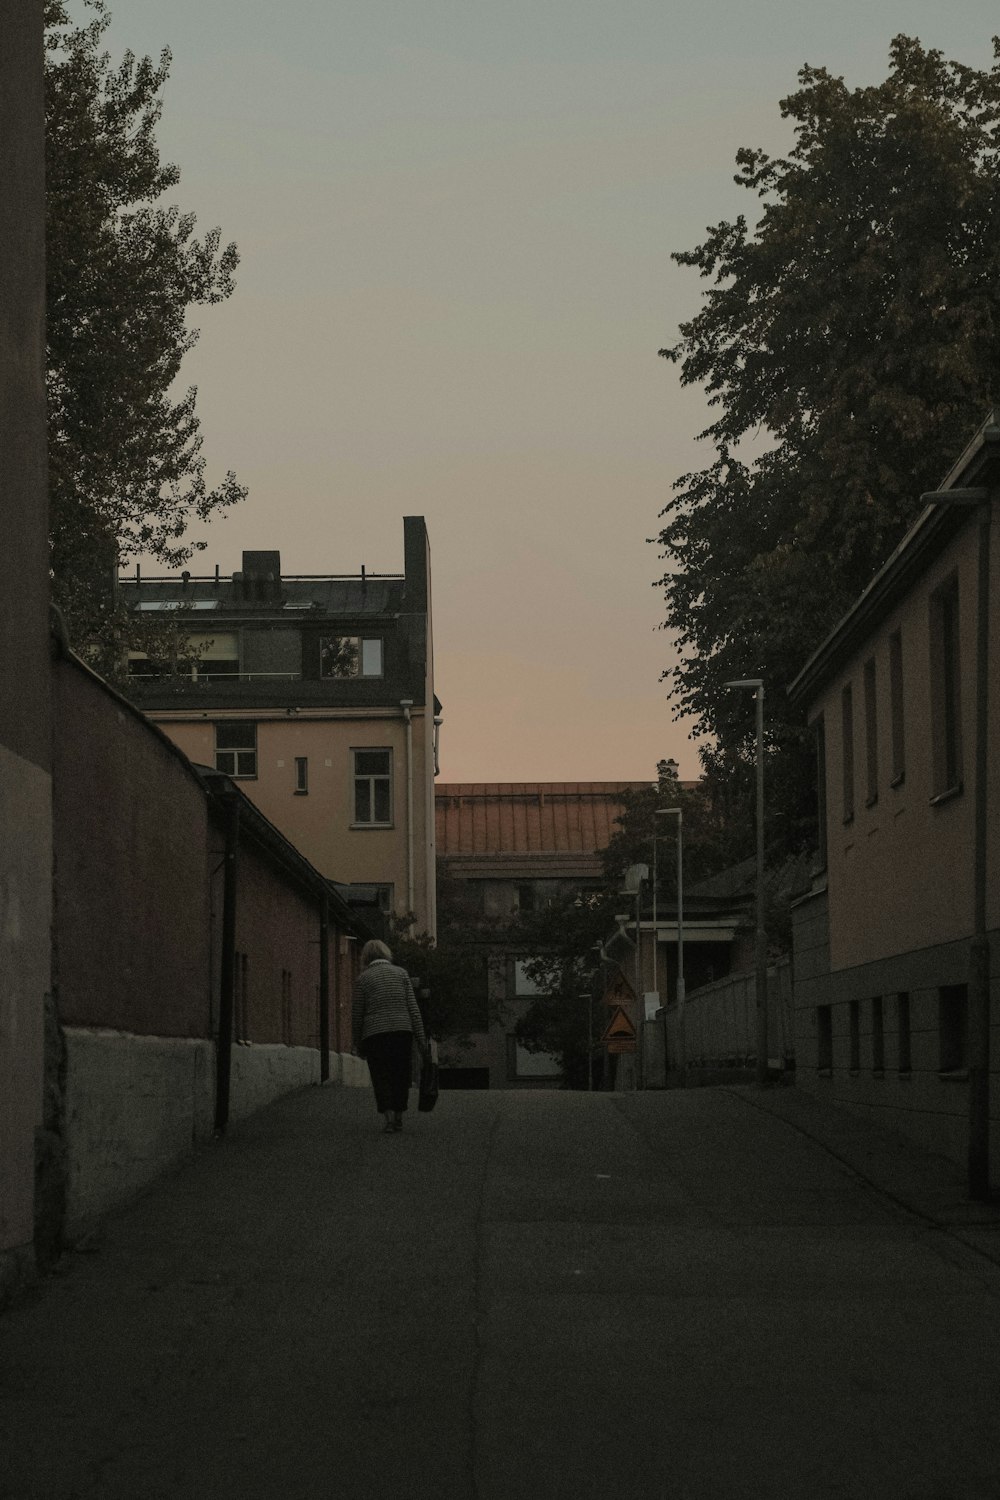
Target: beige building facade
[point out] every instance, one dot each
(882, 941)
(317, 695)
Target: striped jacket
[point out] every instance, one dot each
(384, 1001)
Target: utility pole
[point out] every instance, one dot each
(760, 964)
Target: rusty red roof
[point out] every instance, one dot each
(528, 817)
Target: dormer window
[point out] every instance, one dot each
(345, 656)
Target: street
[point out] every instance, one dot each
(525, 1294)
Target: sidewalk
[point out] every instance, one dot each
(931, 1187)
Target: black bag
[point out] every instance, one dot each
(428, 1083)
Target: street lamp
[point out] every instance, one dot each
(634, 876)
(757, 683)
(979, 948)
(666, 812)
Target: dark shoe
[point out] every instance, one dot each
(397, 1123)
(388, 1127)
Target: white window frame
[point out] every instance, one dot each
(240, 772)
(371, 779)
(365, 645)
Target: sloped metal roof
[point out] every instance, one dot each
(528, 817)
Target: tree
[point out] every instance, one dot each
(449, 978)
(127, 474)
(565, 936)
(855, 329)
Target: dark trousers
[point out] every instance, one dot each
(389, 1058)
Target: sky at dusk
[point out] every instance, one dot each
(455, 223)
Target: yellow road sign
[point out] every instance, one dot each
(619, 1028)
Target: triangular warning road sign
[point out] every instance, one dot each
(619, 1028)
(619, 992)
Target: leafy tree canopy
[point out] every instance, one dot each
(127, 475)
(853, 331)
(565, 935)
(449, 976)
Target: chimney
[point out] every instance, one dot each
(262, 575)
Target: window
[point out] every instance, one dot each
(373, 787)
(383, 895)
(523, 983)
(350, 656)
(202, 658)
(945, 690)
(236, 748)
(185, 604)
(824, 1039)
(847, 750)
(301, 775)
(903, 1030)
(525, 896)
(216, 656)
(524, 1064)
(878, 1037)
(953, 1028)
(819, 733)
(854, 1034)
(871, 734)
(896, 708)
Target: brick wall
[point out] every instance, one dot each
(132, 902)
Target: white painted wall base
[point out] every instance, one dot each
(135, 1107)
(262, 1072)
(348, 1071)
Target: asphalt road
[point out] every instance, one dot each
(523, 1295)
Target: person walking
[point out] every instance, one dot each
(386, 1021)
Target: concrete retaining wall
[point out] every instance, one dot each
(135, 1107)
(138, 1106)
(261, 1073)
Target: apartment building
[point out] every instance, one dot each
(316, 693)
(882, 940)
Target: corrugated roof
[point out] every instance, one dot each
(528, 817)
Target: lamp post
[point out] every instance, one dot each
(666, 812)
(757, 683)
(979, 948)
(640, 1006)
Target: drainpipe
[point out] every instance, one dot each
(227, 981)
(324, 988)
(406, 704)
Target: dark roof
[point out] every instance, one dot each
(347, 596)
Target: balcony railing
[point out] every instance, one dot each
(198, 676)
